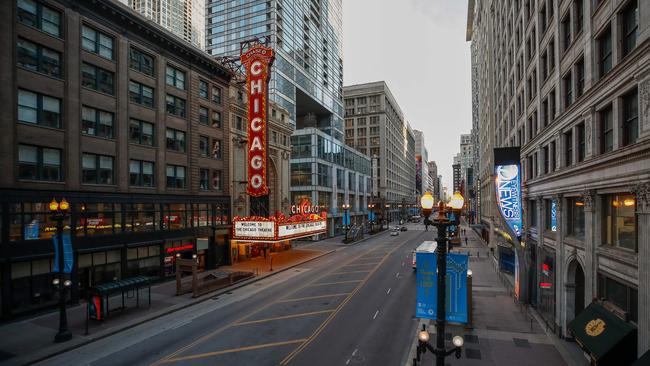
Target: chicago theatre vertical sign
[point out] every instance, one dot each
(257, 61)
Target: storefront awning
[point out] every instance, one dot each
(604, 336)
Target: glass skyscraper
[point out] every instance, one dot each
(307, 78)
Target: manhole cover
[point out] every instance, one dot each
(474, 354)
(520, 342)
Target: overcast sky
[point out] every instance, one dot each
(418, 47)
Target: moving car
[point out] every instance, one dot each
(403, 228)
(394, 231)
(425, 247)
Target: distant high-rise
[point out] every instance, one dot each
(184, 18)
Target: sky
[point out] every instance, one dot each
(418, 47)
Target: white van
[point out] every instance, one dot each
(425, 247)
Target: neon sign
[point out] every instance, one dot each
(509, 195)
(180, 249)
(305, 207)
(257, 61)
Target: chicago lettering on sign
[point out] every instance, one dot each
(257, 61)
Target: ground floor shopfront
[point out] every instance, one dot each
(114, 236)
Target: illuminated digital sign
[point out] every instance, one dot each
(508, 191)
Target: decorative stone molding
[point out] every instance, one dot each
(642, 193)
(644, 93)
(588, 196)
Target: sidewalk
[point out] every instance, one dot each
(501, 333)
(30, 340)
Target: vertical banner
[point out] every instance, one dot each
(426, 279)
(257, 61)
(68, 255)
(508, 187)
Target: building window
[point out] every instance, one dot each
(97, 169)
(629, 28)
(568, 90)
(216, 119)
(580, 78)
(239, 123)
(39, 109)
(550, 218)
(604, 44)
(606, 130)
(39, 163)
(547, 159)
(217, 180)
(96, 78)
(324, 173)
(580, 131)
(97, 42)
(576, 217)
(552, 156)
(578, 11)
(139, 61)
(568, 148)
(37, 15)
(175, 140)
(630, 118)
(141, 173)
(203, 115)
(175, 77)
(204, 179)
(141, 132)
(532, 213)
(300, 174)
(216, 149)
(566, 32)
(619, 221)
(175, 106)
(204, 143)
(96, 122)
(140, 94)
(203, 89)
(216, 95)
(38, 58)
(175, 176)
(624, 297)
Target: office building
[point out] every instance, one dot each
(128, 124)
(568, 82)
(421, 164)
(375, 126)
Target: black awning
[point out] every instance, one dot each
(604, 336)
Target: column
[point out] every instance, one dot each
(560, 311)
(591, 262)
(540, 245)
(642, 192)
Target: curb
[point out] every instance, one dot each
(199, 300)
(362, 240)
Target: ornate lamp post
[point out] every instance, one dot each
(59, 211)
(441, 223)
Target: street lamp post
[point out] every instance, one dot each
(441, 223)
(371, 210)
(59, 211)
(346, 219)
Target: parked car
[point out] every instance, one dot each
(403, 228)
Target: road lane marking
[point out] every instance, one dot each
(397, 275)
(329, 319)
(312, 297)
(299, 315)
(338, 273)
(333, 283)
(388, 292)
(376, 313)
(232, 350)
(355, 351)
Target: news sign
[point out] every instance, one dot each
(508, 187)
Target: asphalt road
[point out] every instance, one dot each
(352, 307)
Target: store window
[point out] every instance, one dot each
(98, 219)
(143, 261)
(619, 294)
(31, 284)
(98, 267)
(619, 221)
(175, 216)
(141, 217)
(576, 217)
(32, 221)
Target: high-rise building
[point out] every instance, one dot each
(434, 187)
(184, 18)
(375, 125)
(422, 180)
(457, 180)
(569, 82)
(306, 81)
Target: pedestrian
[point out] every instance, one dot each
(465, 241)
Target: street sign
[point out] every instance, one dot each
(68, 258)
(456, 286)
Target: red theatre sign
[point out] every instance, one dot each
(257, 61)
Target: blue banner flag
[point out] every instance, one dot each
(68, 257)
(456, 286)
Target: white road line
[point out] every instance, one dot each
(347, 362)
(376, 313)
(388, 292)
(355, 351)
(397, 275)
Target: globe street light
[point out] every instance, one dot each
(59, 211)
(441, 223)
(346, 219)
